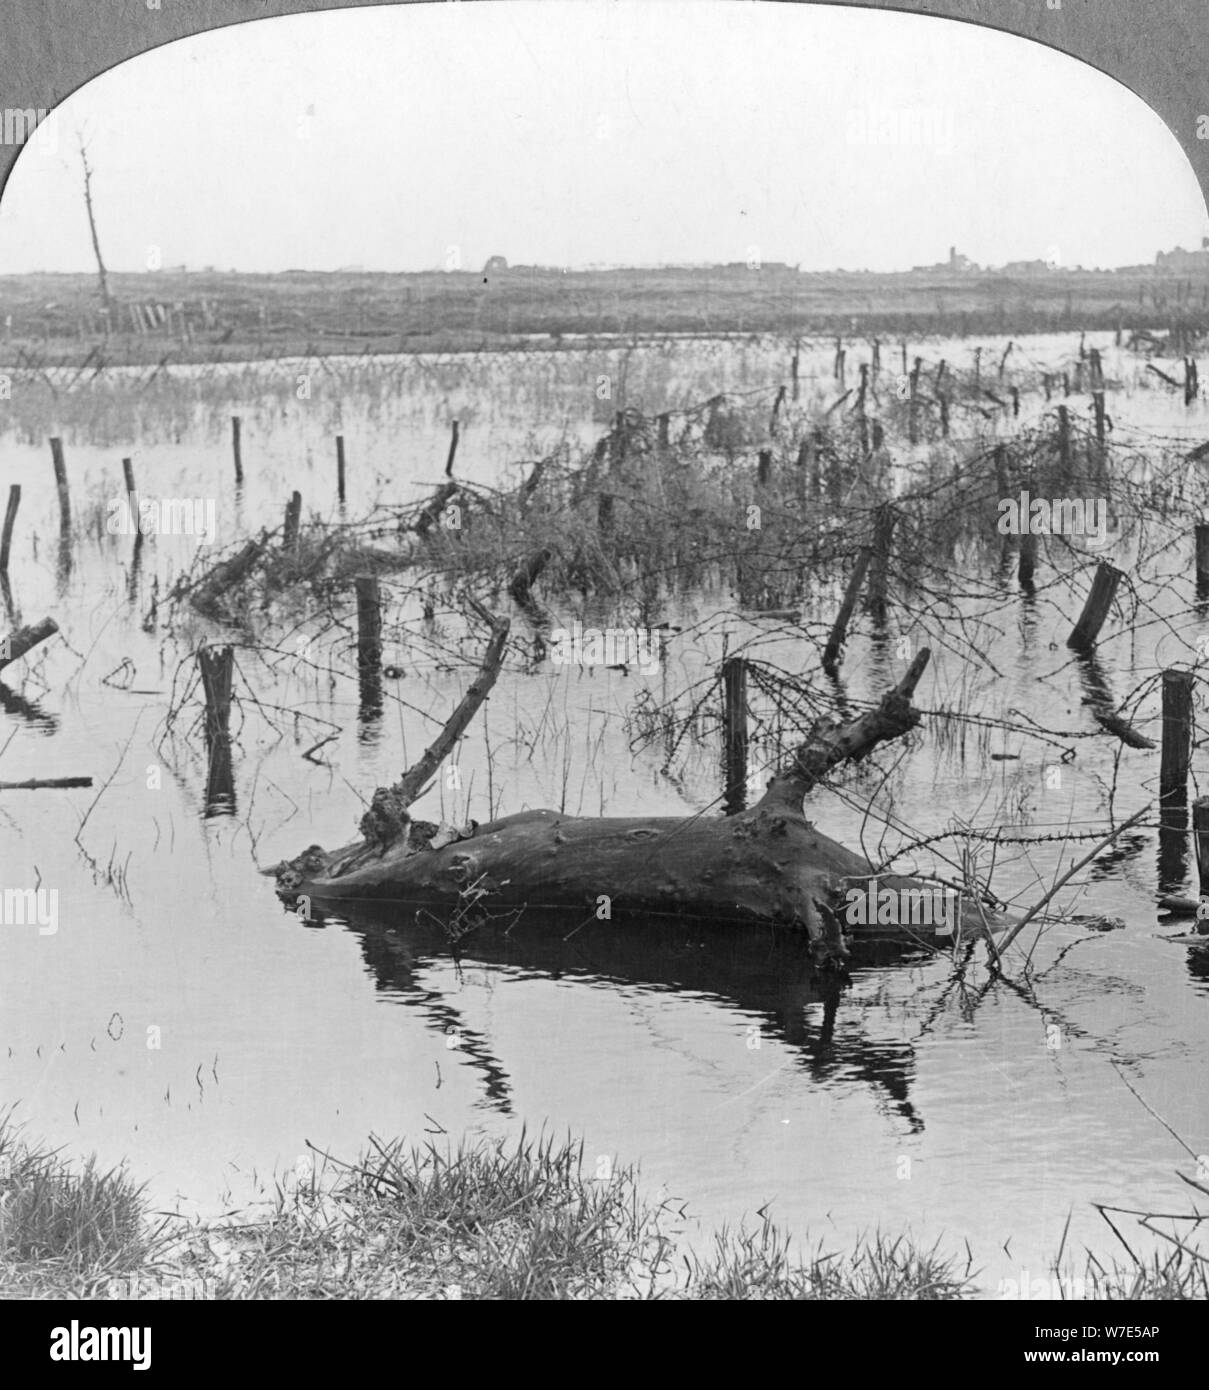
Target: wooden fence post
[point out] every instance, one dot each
(734, 725)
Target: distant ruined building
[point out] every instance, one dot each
(957, 264)
(1181, 260)
(495, 264)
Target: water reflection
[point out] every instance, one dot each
(764, 972)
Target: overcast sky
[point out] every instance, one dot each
(585, 133)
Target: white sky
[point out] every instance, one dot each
(589, 132)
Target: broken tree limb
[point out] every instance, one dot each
(387, 824)
(208, 594)
(829, 743)
(416, 778)
(36, 784)
(431, 511)
(1170, 380)
(766, 864)
(16, 644)
(1114, 724)
(1019, 926)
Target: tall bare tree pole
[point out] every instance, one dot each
(102, 273)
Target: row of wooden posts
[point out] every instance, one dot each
(59, 463)
(1175, 763)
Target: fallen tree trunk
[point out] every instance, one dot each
(766, 864)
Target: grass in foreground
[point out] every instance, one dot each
(483, 1221)
(63, 1231)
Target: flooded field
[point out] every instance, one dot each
(176, 1015)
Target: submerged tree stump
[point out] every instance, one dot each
(766, 864)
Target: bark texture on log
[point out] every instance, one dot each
(767, 864)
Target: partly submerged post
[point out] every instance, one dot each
(340, 469)
(236, 425)
(1064, 435)
(1202, 559)
(10, 519)
(60, 467)
(776, 409)
(734, 726)
(1001, 472)
(369, 643)
(1097, 396)
(293, 522)
(1095, 610)
(217, 665)
(764, 467)
(883, 537)
(839, 631)
(912, 422)
(1176, 758)
(1200, 830)
(453, 448)
(128, 475)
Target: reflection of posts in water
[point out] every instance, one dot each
(369, 647)
(15, 645)
(63, 566)
(29, 710)
(768, 975)
(217, 665)
(136, 567)
(1101, 702)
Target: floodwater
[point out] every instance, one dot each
(179, 1018)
